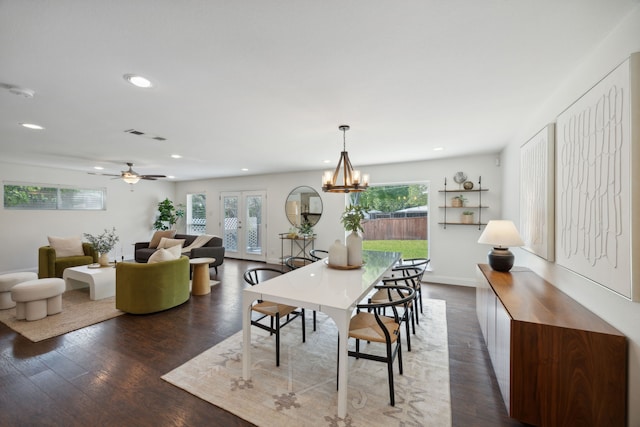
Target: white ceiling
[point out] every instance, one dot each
(263, 85)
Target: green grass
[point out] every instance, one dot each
(409, 248)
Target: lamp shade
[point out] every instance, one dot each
(501, 234)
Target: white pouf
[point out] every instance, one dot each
(8, 281)
(36, 299)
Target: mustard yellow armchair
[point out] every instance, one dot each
(148, 288)
(51, 266)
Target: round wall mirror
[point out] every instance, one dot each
(303, 205)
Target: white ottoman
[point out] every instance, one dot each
(36, 299)
(8, 281)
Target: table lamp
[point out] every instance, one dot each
(501, 234)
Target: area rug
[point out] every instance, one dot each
(78, 311)
(302, 391)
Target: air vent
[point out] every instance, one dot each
(145, 134)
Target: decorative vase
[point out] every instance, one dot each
(354, 249)
(338, 254)
(103, 259)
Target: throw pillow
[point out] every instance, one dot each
(163, 254)
(159, 235)
(66, 246)
(167, 243)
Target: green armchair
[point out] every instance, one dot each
(51, 266)
(148, 288)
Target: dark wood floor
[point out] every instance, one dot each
(109, 374)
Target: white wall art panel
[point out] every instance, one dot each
(537, 157)
(595, 231)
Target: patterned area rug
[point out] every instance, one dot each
(78, 311)
(302, 391)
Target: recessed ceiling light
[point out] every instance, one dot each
(98, 168)
(31, 126)
(438, 149)
(138, 81)
(176, 156)
(326, 161)
(171, 177)
(244, 170)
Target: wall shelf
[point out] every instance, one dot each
(476, 208)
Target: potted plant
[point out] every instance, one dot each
(103, 243)
(306, 229)
(168, 215)
(467, 217)
(352, 221)
(458, 201)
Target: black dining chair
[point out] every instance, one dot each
(274, 311)
(385, 294)
(408, 267)
(371, 326)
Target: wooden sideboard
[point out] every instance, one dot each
(557, 363)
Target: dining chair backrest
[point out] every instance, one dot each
(253, 276)
(410, 277)
(294, 262)
(318, 254)
(404, 295)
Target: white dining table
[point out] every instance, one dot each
(321, 288)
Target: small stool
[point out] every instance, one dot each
(36, 299)
(8, 281)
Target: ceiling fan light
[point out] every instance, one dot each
(130, 179)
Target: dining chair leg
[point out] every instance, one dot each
(390, 374)
(304, 329)
(406, 321)
(277, 339)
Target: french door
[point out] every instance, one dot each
(242, 223)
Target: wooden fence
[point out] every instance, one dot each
(395, 229)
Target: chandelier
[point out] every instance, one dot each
(352, 180)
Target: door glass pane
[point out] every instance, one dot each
(231, 223)
(254, 224)
(196, 214)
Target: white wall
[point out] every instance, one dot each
(132, 213)
(454, 251)
(619, 312)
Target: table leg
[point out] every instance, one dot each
(247, 300)
(342, 319)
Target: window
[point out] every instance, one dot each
(50, 197)
(397, 219)
(196, 213)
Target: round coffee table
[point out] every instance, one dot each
(200, 284)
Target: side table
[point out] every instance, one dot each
(200, 284)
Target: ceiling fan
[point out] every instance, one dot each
(131, 177)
